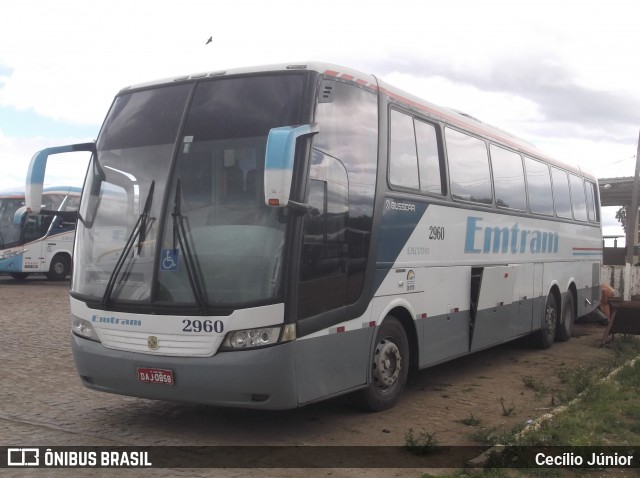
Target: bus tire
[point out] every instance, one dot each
(567, 318)
(543, 339)
(19, 275)
(59, 268)
(388, 368)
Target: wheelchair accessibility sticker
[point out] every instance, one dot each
(169, 260)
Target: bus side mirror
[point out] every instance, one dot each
(37, 168)
(19, 215)
(278, 162)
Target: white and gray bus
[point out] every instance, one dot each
(270, 237)
(38, 243)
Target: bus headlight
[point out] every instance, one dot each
(260, 337)
(83, 328)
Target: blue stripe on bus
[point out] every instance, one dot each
(11, 264)
(399, 220)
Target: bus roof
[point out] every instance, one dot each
(368, 81)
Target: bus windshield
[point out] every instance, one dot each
(9, 232)
(175, 195)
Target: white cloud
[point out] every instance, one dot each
(61, 169)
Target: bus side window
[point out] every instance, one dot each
(508, 178)
(468, 167)
(591, 202)
(539, 187)
(403, 157)
(561, 195)
(429, 160)
(577, 197)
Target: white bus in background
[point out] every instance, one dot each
(38, 243)
(270, 237)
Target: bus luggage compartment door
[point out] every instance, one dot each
(496, 315)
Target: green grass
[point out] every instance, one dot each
(602, 409)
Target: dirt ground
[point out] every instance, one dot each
(479, 389)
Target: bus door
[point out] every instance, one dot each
(35, 229)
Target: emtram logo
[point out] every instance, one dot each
(505, 239)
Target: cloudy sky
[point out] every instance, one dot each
(562, 74)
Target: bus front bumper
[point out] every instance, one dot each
(260, 378)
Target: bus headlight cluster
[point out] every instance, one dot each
(260, 337)
(83, 328)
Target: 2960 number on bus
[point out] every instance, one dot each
(436, 233)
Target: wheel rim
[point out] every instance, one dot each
(550, 320)
(387, 364)
(58, 267)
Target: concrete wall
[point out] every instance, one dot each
(614, 276)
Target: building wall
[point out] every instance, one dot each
(614, 276)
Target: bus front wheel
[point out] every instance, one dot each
(59, 268)
(19, 275)
(388, 368)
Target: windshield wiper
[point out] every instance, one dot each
(180, 234)
(138, 232)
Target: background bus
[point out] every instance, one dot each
(42, 242)
(276, 236)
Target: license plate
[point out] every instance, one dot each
(155, 375)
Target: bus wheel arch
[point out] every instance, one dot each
(567, 315)
(60, 267)
(392, 356)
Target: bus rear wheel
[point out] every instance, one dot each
(59, 268)
(565, 326)
(388, 368)
(544, 338)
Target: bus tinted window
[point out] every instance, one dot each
(468, 167)
(539, 182)
(508, 178)
(561, 195)
(591, 203)
(144, 118)
(577, 198)
(403, 159)
(349, 133)
(428, 158)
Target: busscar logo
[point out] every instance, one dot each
(390, 204)
(23, 457)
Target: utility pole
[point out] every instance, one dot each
(633, 211)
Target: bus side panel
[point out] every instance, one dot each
(446, 305)
(539, 296)
(588, 286)
(504, 310)
(437, 298)
(34, 257)
(334, 363)
(523, 298)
